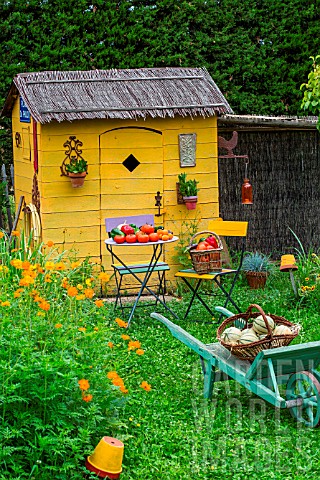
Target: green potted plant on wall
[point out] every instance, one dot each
(77, 170)
(257, 267)
(188, 190)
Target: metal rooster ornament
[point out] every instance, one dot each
(229, 145)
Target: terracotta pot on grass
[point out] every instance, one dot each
(256, 279)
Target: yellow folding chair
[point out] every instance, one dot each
(223, 229)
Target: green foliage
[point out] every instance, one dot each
(77, 166)
(52, 334)
(311, 90)
(256, 262)
(188, 188)
(308, 275)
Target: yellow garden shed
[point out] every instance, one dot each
(137, 129)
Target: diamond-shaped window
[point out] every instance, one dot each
(131, 163)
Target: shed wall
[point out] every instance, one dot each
(74, 218)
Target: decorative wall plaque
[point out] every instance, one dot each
(187, 149)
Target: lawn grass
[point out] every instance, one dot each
(172, 432)
(60, 347)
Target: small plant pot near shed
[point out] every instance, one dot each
(190, 202)
(77, 179)
(256, 279)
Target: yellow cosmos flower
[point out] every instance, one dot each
(60, 266)
(5, 304)
(49, 266)
(79, 286)
(75, 265)
(16, 263)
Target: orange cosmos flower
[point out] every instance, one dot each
(5, 304)
(140, 351)
(72, 291)
(125, 337)
(110, 345)
(47, 278)
(146, 386)
(50, 243)
(133, 345)
(44, 306)
(89, 292)
(121, 323)
(1, 234)
(25, 281)
(112, 375)
(104, 277)
(58, 325)
(124, 389)
(99, 303)
(83, 384)
(117, 382)
(80, 297)
(87, 398)
(82, 329)
(15, 233)
(25, 265)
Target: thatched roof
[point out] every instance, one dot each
(123, 94)
(267, 121)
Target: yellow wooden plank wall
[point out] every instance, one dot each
(22, 156)
(74, 218)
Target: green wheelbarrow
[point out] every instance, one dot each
(293, 366)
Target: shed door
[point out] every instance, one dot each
(131, 172)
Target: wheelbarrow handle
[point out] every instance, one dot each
(224, 311)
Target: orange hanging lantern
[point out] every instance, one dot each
(246, 190)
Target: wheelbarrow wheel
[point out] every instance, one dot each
(303, 391)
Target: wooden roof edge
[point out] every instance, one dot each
(264, 120)
(9, 101)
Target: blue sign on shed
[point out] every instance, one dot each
(24, 112)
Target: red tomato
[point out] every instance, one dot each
(202, 246)
(146, 228)
(127, 229)
(119, 239)
(131, 238)
(154, 237)
(143, 238)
